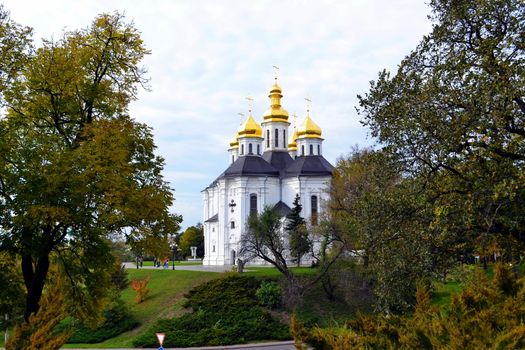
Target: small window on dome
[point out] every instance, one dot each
(311, 150)
(258, 149)
(284, 138)
(276, 137)
(242, 150)
(268, 138)
(318, 150)
(302, 150)
(250, 150)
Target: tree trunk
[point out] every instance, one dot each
(34, 281)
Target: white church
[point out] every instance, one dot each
(267, 168)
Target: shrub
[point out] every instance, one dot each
(140, 286)
(269, 294)
(119, 277)
(225, 311)
(485, 315)
(118, 319)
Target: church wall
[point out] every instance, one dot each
(306, 187)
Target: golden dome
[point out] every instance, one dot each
(234, 142)
(292, 146)
(276, 113)
(250, 128)
(308, 129)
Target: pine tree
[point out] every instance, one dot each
(297, 232)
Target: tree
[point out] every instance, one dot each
(386, 220)
(15, 46)
(295, 227)
(454, 112)
(12, 292)
(265, 238)
(40, 332)
(192, 237)
(74, 166)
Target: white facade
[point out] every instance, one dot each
(260, 180)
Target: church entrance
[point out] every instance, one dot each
(233, 256)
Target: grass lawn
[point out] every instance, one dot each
(443, 292)
(258, 271)
(164, 300)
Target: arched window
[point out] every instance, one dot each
(284, 138)
(232, 224)
(276, 137)
(302, 150)
(311, 150)
(268, 138)
(313, 204)
(250, 150)
(258, 149)
(318, 150)
(253, 204)
(242, 150)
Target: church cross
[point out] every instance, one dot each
(242, 116)
(250, 103)
(308, 104)
(232, 205)
(275, 72)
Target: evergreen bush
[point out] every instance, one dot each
(269, 294)
(118, 319)
(225, 311)
(485, 315)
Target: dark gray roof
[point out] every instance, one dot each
(280, 160)
(250, 166)
(277, 164)
(214, 218)
(309, 166)
(282, 208)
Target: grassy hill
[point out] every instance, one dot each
(167, 288)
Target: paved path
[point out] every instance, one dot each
(278, 345)
(220, 268)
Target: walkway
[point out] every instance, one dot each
(220, 268)
(277, 345)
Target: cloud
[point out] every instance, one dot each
(207, 56)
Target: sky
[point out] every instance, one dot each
(208, 56)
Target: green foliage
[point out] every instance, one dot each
(119, 276)
(264, 239)
(485, 315)
(74, 166)
(269, 294)
(225, 311)
(238, 291)
(12, 291)
(298, 239)
(385, 220)
(454, 113)
(117, 320)
(40, 333)
(15, 44)
(193, 236)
